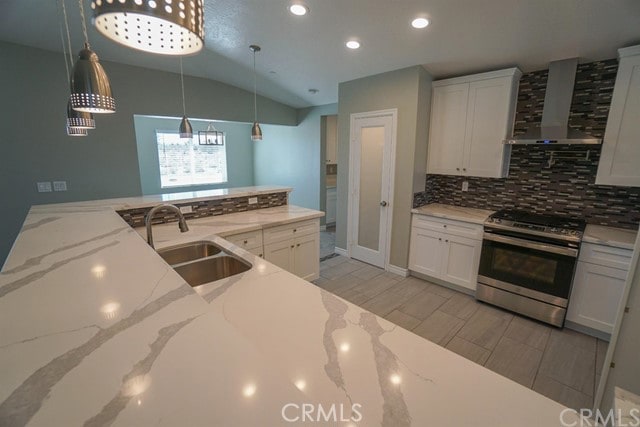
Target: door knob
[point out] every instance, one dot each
(383, 203)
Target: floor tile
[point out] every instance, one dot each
(385, 302)
(375, 286)
(368, 272)
(469, 350)
(331, 262)
(441, 291)
(460, 305)
(422, 305)
(516, 361)
(343, 269)
(409, 286)
(402, 320)
(340, 283)
(485, 327)
(528, 332)
(354, 297)
(439, 328)
(561, 393)
(569, 364)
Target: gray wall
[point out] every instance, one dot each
(104, 164)
(408, 90)
(238, 145)
(291, 156)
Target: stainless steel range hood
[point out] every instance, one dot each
(554, 128)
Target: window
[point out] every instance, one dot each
(183, 162)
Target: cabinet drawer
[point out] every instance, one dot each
(289, 231)
(248, 240)
(456, 228)
(607, 256)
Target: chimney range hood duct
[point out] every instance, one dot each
(554, 128)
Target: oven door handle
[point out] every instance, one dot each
(531, 245)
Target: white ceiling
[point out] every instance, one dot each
(306, 52)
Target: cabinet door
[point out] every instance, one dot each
(461, 260)
(331, 205)
(332, 139)
(596, 296)
(620, 148)
(447, 129)
(489, 118)
(307, 257)
(425, 252)
(281, 254)
(258, 251)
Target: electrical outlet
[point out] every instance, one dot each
(44, 187)
(253, 200)
(59, 185)
(186, 209)
(465, 185)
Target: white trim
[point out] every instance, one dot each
(341, 251)
(397, 270)
(508, 72)
(393, 113)
(323, 228)
(629, 51)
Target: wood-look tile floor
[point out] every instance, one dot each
(561, 364)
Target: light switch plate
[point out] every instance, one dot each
(44, 187)
(59, 185)
(465, 185)
(253, 200)
(186, 209)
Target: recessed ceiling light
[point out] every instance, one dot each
(420, 23)
(353, 44)
(298, 9)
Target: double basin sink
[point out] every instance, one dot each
(202, 262)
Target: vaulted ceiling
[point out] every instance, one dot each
(308, 52)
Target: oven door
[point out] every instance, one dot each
(539, 270)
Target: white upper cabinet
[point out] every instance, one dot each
(621, 145)
(332, 139)
(470, 118)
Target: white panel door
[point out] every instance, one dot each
(460, 261)
(281, 254)
(306, 257)
(332, 198)
(371, 178)
(487, 126)
(425, 253)
(447, 129)
(596, 296)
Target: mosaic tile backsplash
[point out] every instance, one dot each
(201, 209)
(568, 187)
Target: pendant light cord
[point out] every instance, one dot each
(184, 108)
(255, 88)
(64, 49)
(84, 23)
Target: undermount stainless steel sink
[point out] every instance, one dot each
(188, 252)
(211, 269)
(202, 262)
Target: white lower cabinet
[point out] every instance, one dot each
(295, 248)
(332, 198)
(443, 255)
(598, 287)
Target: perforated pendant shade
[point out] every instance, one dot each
(77, 131)
(167, 27)
(186, 131)
(90, 87)
(79, 119)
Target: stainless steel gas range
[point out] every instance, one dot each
(527, 263)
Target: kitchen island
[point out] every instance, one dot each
(98, 330)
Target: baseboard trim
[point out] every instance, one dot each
(341, 251)
(323, 228)
(397, 270)
(587, 330)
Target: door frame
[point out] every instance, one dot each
(393, 113)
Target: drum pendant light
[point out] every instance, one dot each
(256, 132)
(79, 119)
(166, 27)
(90, 88)
(186, 131)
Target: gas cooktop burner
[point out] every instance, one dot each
(532, 223)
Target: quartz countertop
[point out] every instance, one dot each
(459, 213)
(610, 236)
(97, 329)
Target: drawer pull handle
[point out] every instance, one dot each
(295, 229)
(440, 239)
(292, 246)
(445, 226)
(446, 241)
(260, 255)
(457, 169)
(246, 241)
(298, 245)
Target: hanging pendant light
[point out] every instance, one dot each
(77, 131)
(186, 131)
(90, 88)
(158, 26)
(79, 119)
(211, 136)
(256, 132)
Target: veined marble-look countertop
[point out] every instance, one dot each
(459, 213)
(96, 329)
(610, 236)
